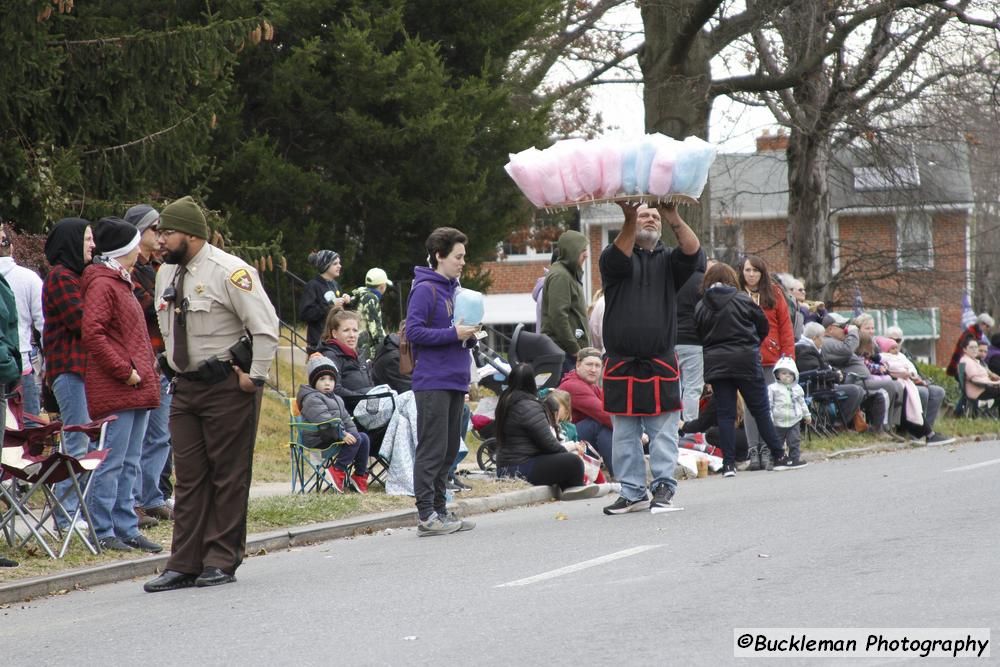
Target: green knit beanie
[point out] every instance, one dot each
(185, 216)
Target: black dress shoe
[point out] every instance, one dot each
(213, 576)
(169, 581)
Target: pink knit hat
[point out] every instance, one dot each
(885, 344)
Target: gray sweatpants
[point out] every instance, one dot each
(792, 437)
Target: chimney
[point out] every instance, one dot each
(766, 142)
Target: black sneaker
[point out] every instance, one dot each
(6, 562)
(788, 463)
(143, 543)
(936, 439)
(754, 458)
(623, 506)
(728, 470)
(114, 544)
(457, 485)
(661, 499)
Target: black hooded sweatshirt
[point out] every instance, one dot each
(731, 327)
(640, 298)
(64, 244)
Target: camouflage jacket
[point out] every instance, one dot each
(369, 307)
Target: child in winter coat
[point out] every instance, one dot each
(788, 408)
(318, 403)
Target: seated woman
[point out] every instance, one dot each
(979, 385)
(340, 345)
(592, 422)
(527, 445)
(708, 423)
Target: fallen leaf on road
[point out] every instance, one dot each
(763, 555)
(560, 516)
(951, 449)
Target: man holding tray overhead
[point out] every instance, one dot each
(641, 277)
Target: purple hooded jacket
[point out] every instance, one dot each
(441, 360)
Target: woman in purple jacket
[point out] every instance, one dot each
(440, 377)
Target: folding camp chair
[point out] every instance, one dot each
(310, 464)
(378, 465)
(825, 403)
(32, 458)
(974, 408)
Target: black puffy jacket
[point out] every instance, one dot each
(385, 367)
(526, 432)
(353, 374)
(731, 327)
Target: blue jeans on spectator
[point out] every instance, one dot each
(692, 367)
(463, 430)
(155, 452)
(72, 399)
(629, 460)
(600, 437)
(754, 393)
(111, 500)
(31, 392)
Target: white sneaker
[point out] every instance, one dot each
(82, 526)
(169, 502)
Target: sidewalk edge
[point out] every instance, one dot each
(260, 543)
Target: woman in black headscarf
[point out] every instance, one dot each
(68, 249)
(320, 295)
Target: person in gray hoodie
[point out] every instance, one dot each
(788, 409)
(318, 404)
(564, 306)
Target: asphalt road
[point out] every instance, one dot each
(897, 540)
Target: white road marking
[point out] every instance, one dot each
(992, 462)
(569, 569)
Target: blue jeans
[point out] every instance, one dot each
(155, 452)
(72, 399)
(629, 461)
(754, 393)
(692, 364)
(600, 436)
(32, 393)
(111, 501)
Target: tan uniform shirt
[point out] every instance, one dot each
(225, 300)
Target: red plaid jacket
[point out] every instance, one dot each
(144, 286)
(61, 340)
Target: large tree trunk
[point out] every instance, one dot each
(809, 243)
(676, 85)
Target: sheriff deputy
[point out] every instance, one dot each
(221, 333)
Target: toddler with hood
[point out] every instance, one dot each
(788, 408)
(318, 404)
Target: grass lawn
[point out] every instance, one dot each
(952, 426)
(265, 514)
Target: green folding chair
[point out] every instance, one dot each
(310, 464)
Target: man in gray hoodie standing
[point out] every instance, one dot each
(564, 306)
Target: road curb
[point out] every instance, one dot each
(892, 446)
(261, 543)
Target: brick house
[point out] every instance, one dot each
(896, 229)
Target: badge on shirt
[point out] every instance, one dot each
(242, 279)
(199, 289)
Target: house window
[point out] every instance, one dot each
(531, 240)
(914, 240)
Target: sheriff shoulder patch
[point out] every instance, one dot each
(242, 279)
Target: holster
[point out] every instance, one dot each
(165, 368)
(210, 371)
(242, 353)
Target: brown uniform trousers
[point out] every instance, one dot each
(213, 428)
